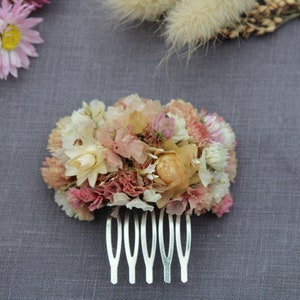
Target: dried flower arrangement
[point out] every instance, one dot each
(141, 154)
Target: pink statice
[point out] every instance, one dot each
(163, 125)
(183, 109)
(224, 206)
(16, 37)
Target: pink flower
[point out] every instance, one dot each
(36, 3)
(124, 182)
(125, 144)
(212, 123)
(197, 199)
(185, 110)
(16, 37)
(223, 207)
(164, 125)
(94, 197)
(176, 206)
(199, 132)
(130, 183)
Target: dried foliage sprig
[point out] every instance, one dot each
(264, 18)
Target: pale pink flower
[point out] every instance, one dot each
(199, 200)
(54, 173)
(212, 123)
(164, 125)
(223, 207)
(16, 37)
(220, 131)
(199, 132)
(196, 199)
(125, 144)
(183, 109)
(176, 206)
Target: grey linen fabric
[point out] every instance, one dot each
(251, 253)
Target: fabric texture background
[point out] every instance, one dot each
(251, 253)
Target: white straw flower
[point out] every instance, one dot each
(220, 186)
(120, 199)
(151, 196)
(138, 203)
(216, 156)
(86, 163)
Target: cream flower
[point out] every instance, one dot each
(220, 186)
(181, 133)
(86, 163)
(216, 156)
(151, 196)
(149, 172)
(93, 111)
(138, 203)
(228, 136)
(205, 175)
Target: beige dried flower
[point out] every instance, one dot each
(264, 18)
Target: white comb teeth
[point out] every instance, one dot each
(140, 233)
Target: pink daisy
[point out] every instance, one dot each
(16, 37)
(36, 3)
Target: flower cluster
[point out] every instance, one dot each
(139, 153)
(17, 36)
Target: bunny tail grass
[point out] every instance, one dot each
(192, 23)
(141, 10)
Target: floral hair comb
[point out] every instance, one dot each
(142, 155)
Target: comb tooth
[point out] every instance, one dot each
(149, 260)
(113, 260)
(166, 260)
(131, 258)
(183, 259)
